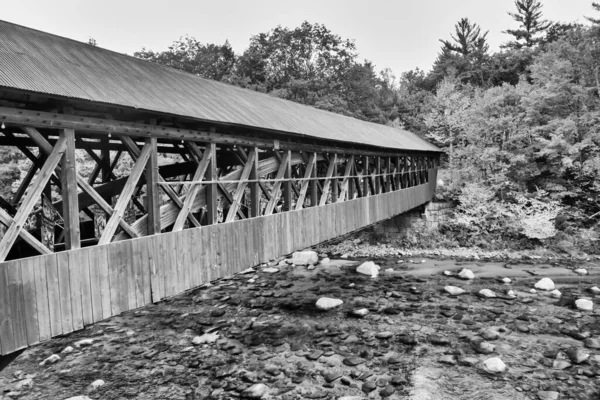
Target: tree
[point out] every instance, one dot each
(92, 42)
(531, 24)
(596, 7)
(188, 54)
(467, 39)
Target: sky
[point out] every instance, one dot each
(395, 34)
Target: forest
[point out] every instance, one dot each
(520, 127)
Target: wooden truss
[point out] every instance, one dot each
(207, 178)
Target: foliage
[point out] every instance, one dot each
(531, 24)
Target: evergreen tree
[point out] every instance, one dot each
(531, 24)
(596, 7)
(467, 39)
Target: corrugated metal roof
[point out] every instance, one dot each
(40, 62)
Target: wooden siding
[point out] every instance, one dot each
(45, 296)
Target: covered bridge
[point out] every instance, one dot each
(145, 181)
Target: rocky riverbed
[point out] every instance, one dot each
(421, 329)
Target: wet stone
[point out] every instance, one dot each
(368, 387)
(353, 361)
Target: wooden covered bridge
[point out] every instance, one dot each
(144, 181)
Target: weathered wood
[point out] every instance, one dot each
(327, 185)
(287, 185)
(241, 188)
(254, 187)
(31, 198)
(136, 173)
(211, 189)
(152, 189)
(345, 180)
(7, 220)
(193, 191)
(69, 192)
(304, 186)
(283, 166)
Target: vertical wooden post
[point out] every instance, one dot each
(211, 188)
(377, 172)
(314, 192)
(334, 184)
(388, 177)
(152, 204)
(287, 184)
(254, 188)
(366, 176)
(69, 192)
(351, 188)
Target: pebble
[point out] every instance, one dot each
(466, 274)
(547, 395)
(97, 384)
(360, 312)
(487, 293)
(584, 304)
(307, 257)
(368, 268)
(205, 339)
(353, 361)
(384, 335)
(595, 290)
(447, 359)
(454, 291)
(506, 280)
(270, 270)
(84, 343)
(545, 284)
(368, 387)
(256, 391)
(50, 360)
(327, 303)
(387, 391)
(494, 365)
(325, 260)
(67, 350)
(555, 294)
(592, 343)
(577, 355)
(581, 271)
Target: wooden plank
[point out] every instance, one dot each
(62, 261)
(40, 264)
(305, 183)
(283, 166)
(31, 198)
(211, 189)
(95, 253)
(241, 188)
(114, 255)
(328, 182)
(255, 188)
(54, 299)
(154, 265)
(30, 304)
(152, 190)
(142, 272)
(74, 257)
(345, 181)
(6, 220)
(7, 341)
(69, 191)
(17, 304)
(125, 196)
(130, 275)
(87, 309)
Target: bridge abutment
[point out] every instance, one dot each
(428, 216)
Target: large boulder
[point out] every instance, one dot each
(368, 268)
(584, 304)
(307, 257)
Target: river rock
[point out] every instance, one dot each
(577, 355)
(581, 271)
(50, 360)
(494, 365)
(506, 280)
(556, 294)
(483, 347)
(97, 384)
(561, 364)
(584, 304)
(595, 290)
(360, 312)
(487, 293)
(368, 268)
(592, 343)
(545, 284)
(466, 274)
(256, 391)
(327, 303)
(454, 291)
(547, 395)
(325, 260)
(307, 257)
(84, 343)
(270, 270)
(205, 339)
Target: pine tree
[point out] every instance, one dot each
(596, 7)
(529, 17)
(467, 39)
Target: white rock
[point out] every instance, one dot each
(84, 343)
(389, 270)
(97, 384)
(506, 280)
(67, 350)
(206, 338)
(24, 383)
(466, 273)
(595, 290)
(327, 303)
(256, 391)
(325, 260)
(556, 293)
(361, 312)
(248, 271)
(307, 257)
(581, 271)
(448, 273)
(368, 268)
(454, 291)
(487, 293)
(511, 293)
(545, 284)
(270, 270)
(532, 291)
(311, 267)
(345, 255)
(50, 360)
(494, 365)
(584, 304)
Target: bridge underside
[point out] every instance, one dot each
(114, 215)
